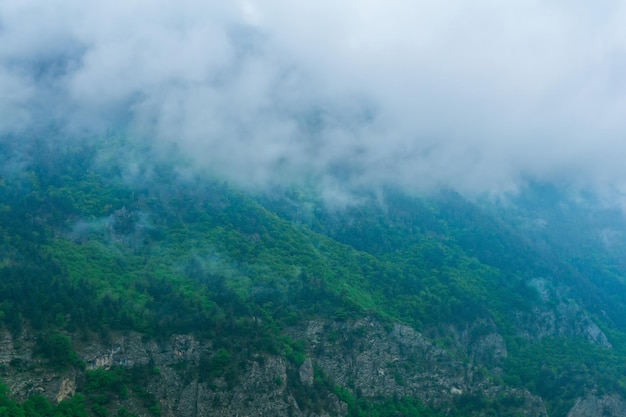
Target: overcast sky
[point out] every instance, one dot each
(478, 96)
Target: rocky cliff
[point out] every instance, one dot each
(364, 357)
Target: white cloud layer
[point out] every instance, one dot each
(475, 95)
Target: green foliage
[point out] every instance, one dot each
(102, 387)
(57, 348)
(103, 380)
(561, 370)
(39, 406)
(219, 363)
(85, 250)
(392, 407)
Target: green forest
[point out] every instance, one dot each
(90, 248)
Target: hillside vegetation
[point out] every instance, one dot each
(99, 240)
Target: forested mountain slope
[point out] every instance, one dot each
(132, 284)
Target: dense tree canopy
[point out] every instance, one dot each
(86, 248)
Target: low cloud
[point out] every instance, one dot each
(478, 96)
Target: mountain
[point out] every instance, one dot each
(134, 284)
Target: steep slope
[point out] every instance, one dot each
(131, 285)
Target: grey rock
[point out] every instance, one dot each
(306, 372)
(370, 359)
(557, 316)
(594, 406)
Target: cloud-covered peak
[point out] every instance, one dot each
(475, 96)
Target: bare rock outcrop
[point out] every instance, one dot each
(593, 405)
(373, 360)
(369, 359)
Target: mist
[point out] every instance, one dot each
(481, 97)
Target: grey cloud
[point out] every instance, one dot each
(476, 96)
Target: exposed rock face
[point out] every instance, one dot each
(258, 393)
(369, 359)
(481, 342)
(306, 372)
(375, 361)
(261, 388)
(594, 406)
(382, 362)
(566, 320)
(67, 388)
(26, 375)
(558, 317)
(129, 350)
